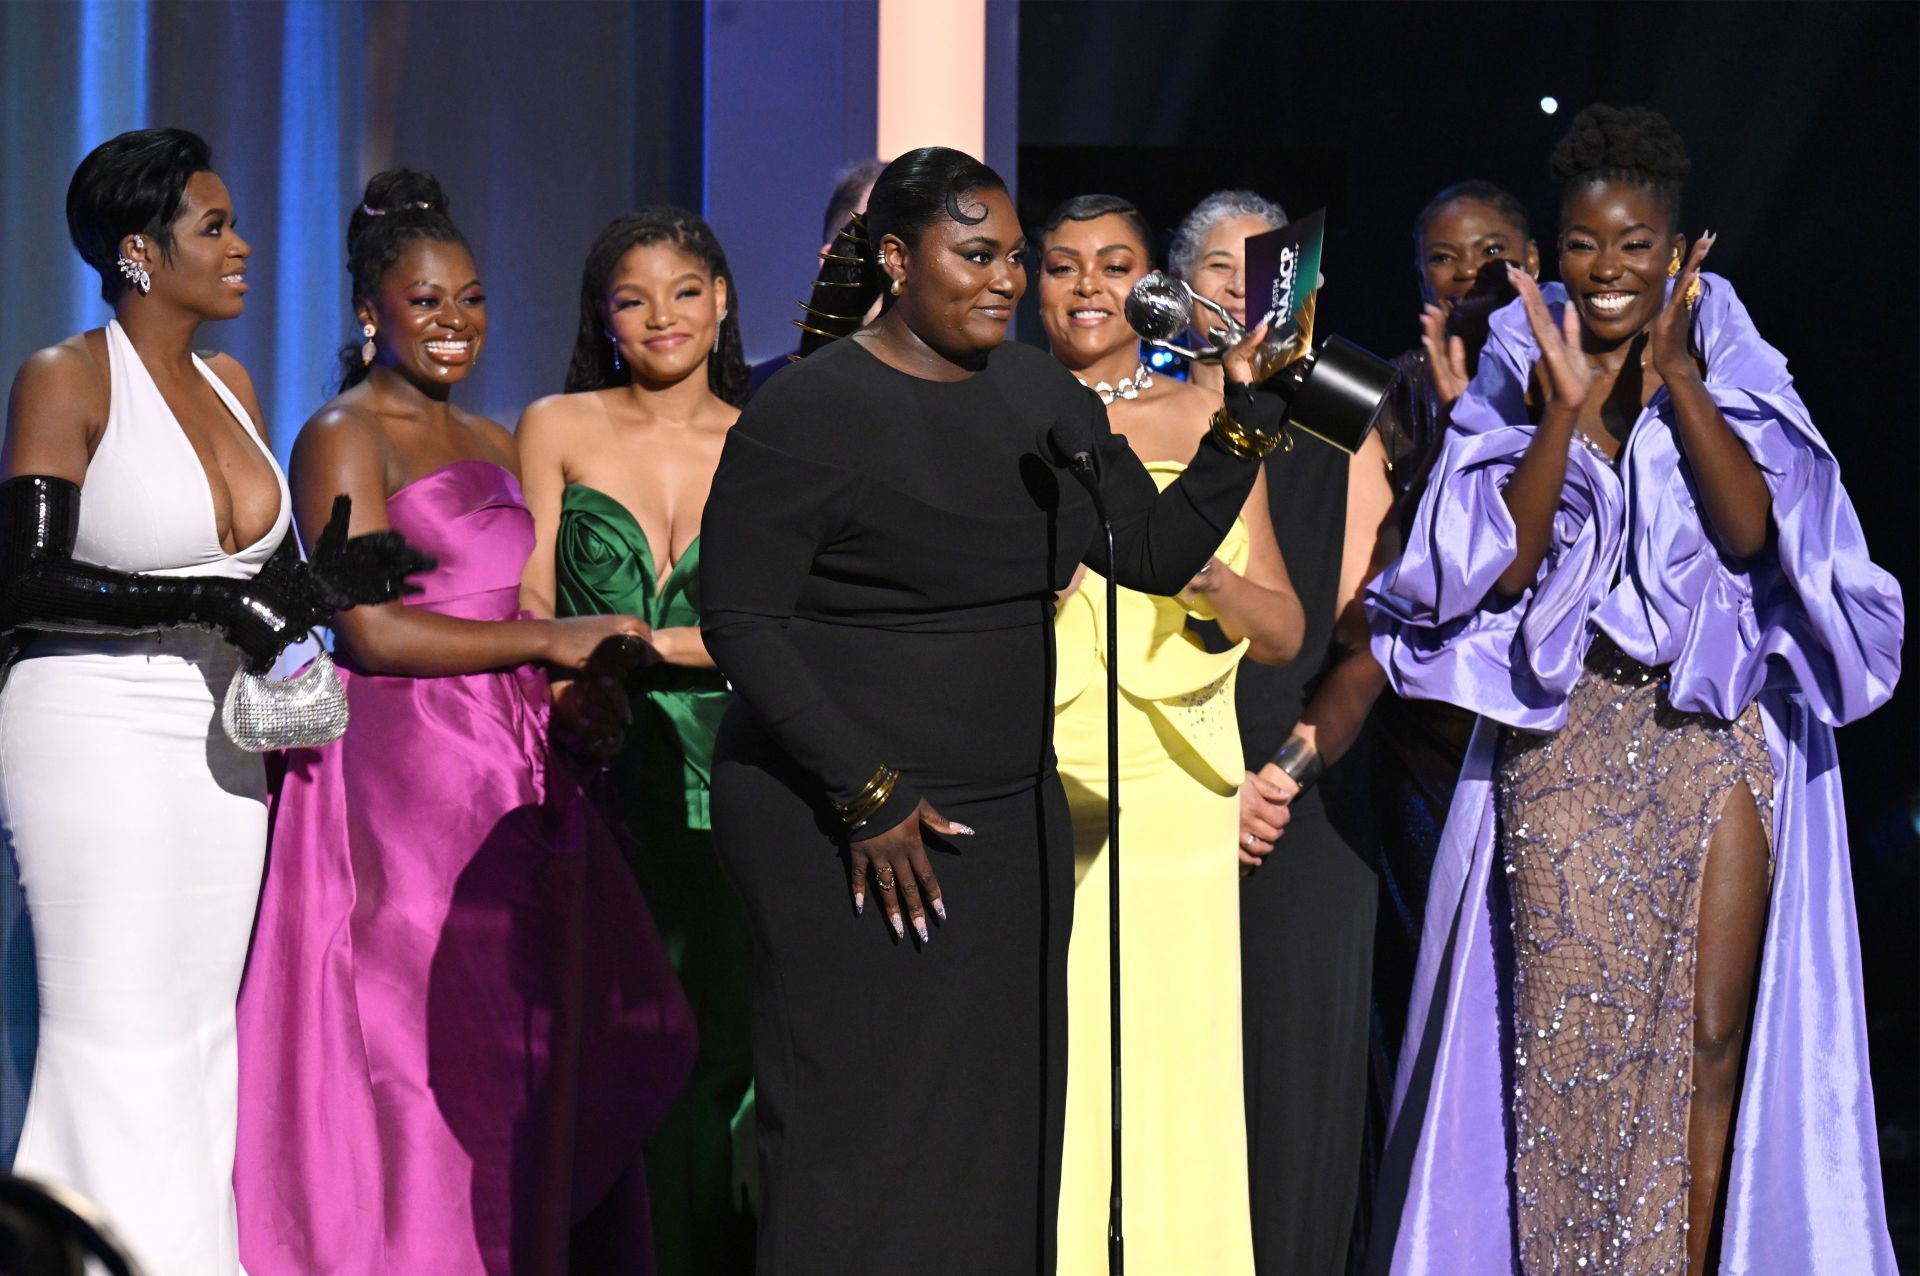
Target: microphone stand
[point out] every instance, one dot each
(1082, 466)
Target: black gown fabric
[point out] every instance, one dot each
(1306, 916)
(880, 557)
(1421, 745)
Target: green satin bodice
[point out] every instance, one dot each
(604, 566)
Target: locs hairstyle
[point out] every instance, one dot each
(919, 189)
(1631, 144)
(132, 184)
(399, 206)
(591, 367)
(1084, 208)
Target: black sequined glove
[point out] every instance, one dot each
(42, 587)
(346, 572)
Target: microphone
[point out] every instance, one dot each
(1070, 440)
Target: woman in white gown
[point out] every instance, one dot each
(139, 506)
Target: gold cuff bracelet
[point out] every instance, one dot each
(858, 809)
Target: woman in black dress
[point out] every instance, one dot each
(889, 524)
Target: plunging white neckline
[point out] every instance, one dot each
(240, 417)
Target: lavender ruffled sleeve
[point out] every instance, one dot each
(1811, 614)
(1439, 629)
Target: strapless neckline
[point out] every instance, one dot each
(656, 583)
(450, 466)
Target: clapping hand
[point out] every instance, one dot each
(1446, 357)
(1672, 330)
(1564, 375)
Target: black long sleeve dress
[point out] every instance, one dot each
(879, 563)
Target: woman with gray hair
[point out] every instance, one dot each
(1306, 913)
(1209, 251)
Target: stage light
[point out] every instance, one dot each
(1548, 105)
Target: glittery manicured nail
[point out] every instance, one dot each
(939, 910)
(899, 931)
(920, 928)
(859, 902)
(963, 830)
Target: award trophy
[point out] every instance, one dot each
(1333, 393)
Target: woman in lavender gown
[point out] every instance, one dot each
(1636, 561)
(458, 1025)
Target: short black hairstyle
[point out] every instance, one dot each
(399, 206)
(132, 184)
(1632, 144)
(1474, 191)
(1084, 208)
(848, 186)
(592, 366)
(923, 186)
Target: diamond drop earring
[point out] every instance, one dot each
(716, 331)
(615, 343)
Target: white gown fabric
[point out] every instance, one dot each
(139, 833)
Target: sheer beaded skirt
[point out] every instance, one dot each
(1604, 827)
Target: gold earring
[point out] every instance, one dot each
(896, 286)
(366, 349)
(1673, 267)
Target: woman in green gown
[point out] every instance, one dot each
(616, 471)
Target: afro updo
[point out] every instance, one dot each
(1632, 144)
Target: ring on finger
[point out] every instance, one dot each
(1249, 839)
(883, 877)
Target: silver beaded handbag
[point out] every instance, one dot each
(306, 710)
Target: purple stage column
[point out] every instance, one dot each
(789, 102)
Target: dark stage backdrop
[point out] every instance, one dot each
(1803, 123)
(546, 119)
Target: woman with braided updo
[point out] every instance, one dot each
(1664, 607)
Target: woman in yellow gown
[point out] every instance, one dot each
(1185, 1144)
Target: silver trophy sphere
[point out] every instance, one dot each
(1160, 309)
(1334, 392)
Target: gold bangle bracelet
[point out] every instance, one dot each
(1248, 445)
(858, 809)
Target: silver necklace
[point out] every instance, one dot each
(1129, 387)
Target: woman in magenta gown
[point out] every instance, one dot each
(458, 1024)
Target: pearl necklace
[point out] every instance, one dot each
(1129, 387)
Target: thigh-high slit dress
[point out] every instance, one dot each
(1545, 1081)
